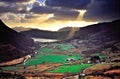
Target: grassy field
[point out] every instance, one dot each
(51, 58)
(65, 47)
(41, 59)
(76, 68)
(47, 50)
(57, 47)
(47, 55)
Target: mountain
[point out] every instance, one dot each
(67, 28)
(94, 38)
(19, 29)
(93, 32)
(13, 45)
(36, 33)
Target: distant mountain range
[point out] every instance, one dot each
(36, 33)
(13, 45)
(19, 29)
(76, 32)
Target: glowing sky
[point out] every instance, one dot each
(56, 14)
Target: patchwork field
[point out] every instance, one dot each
(57, 59)
(47, 55)
(50, 58)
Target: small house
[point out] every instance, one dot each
(70, 59)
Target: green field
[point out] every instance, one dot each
(56, 48)
(47, 50)
(51, 58)
(70, 68)
(65, 47)
(40, 59)
(47, 55)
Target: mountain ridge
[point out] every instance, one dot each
(66, 32)
(36, 33)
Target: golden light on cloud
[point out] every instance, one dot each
(53, 26)
(44, 22)
(79, 23)
(31, 1)
(49, 16)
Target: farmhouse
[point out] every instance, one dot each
(70, 59)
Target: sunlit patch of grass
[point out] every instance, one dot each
(76, 68)
(51, 58)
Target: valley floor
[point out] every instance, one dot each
(63, 61)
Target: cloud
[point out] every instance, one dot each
(59, 13)
(41, 9)
(76, 4)
(14, 1)
(11, 17)
(65, 15)
(30, 16)
(13, 8)
(103, 10)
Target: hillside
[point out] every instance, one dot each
(13, 45)
(94, 38)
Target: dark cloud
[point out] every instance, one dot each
(13, 8)
(103, 10)
(42, 9)
(14, 1)
(63, 15)
(76, 4)
(58, 12)
(66, 14)
(5, 9)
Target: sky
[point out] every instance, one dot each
(56, 14)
